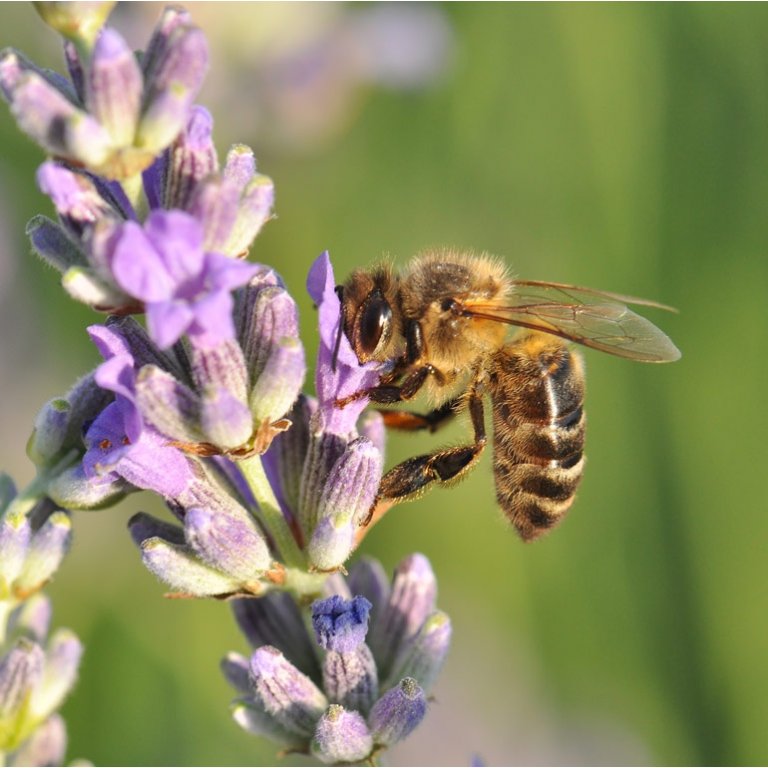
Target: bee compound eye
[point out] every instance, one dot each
(374, 325)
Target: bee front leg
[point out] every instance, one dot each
(412, 477)
(394, 393)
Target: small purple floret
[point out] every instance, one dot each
(340, 625)
(185, 289)
(350, 376)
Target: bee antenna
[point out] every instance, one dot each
(342, 322)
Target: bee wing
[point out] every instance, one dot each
(596, 319)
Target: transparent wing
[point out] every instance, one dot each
(596, 319)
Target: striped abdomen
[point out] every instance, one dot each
(537, 388)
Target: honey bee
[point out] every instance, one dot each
(442, 325)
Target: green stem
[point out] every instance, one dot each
(253, 471)
(302, 585)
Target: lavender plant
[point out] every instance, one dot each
(202, 406)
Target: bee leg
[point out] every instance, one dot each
(412, 476)
(411, 422)
(394, 393)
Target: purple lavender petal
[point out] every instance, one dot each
(153, 465)
(341, 736)
(149, 463)
(62, 659)
(212, 323)
(340, 625)
(74, 195)
(239, 166)
(167, 321)
(113, 87)
(137, 267)
(397, 712)
(177, 238)
(350, 376)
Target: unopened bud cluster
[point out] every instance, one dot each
(361, 683)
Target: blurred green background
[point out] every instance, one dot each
(622, 147)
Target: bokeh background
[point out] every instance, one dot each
(623, 147)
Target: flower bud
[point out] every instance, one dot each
(46, 550)
(251, 717)
(62, 659)
(412, 600)
(167, 404)
(180, 568)
(21, 670)
(73, 489)
(235, 668)
(368, 578)
(52, 244)
(285, 693)
(192, 158)
(46, 746)
(423, 658)
(397, 712)
(113, 87)
(340, 625)
(341, 736)
(254, 210)
(15, 535)
(229, 543)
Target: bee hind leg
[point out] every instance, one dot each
(408, 421)
(413, 476)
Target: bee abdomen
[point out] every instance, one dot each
(537, 388)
